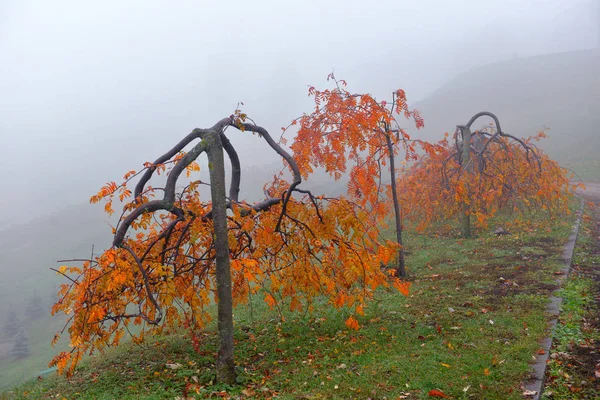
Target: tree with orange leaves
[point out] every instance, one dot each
(347, 128)
(174, 253)
(480, 173)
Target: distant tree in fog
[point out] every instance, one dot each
(20, 347)
(11, 325)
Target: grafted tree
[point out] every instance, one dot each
(481, 172)
(170, 254)
(355, 129)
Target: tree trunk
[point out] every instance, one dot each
(465, 218)
(225, 364)
(400, 266)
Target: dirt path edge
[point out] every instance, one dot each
(536, 382)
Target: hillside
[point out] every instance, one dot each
(557, 91)
(30, 249)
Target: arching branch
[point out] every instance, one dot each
(236, 169)
(284, 154)
(168, 201)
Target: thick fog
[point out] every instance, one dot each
(90, 90)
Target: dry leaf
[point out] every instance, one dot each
(438, 393)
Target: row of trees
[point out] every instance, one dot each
(173, 252)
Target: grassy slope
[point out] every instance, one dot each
(28, 250)
(558, 91)
(469, 328)
(518, 91)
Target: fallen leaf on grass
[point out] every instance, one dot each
(445, 365)
(352, 323)
(486, 372)
(438, 393)
(530, 393)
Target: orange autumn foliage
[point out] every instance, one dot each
(347, 131)
(437, 187)
(162, 275)
(359, 135)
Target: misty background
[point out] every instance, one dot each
(91, 90)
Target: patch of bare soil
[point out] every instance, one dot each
(524, 278)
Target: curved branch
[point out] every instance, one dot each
(156, 320)
(194, 134)
(484, 114)
(168, 202)
(139, 188)
(499, 132)
(236, 169)
(284, 154)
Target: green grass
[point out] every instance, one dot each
(572, 366)
(469, 328)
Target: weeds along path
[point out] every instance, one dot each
(574, 366)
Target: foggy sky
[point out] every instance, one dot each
(90, 90)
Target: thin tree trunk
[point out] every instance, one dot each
(400, 265)
(465, 217)
(225, 364)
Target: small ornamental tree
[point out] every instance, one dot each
(175, 252)
(20, 347)
(356, 132)
(478, 173)
(11, 325)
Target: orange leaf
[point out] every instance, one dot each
(270, 300)
(352, 323)
(402, 286)
(486, 372)
(438, 393)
